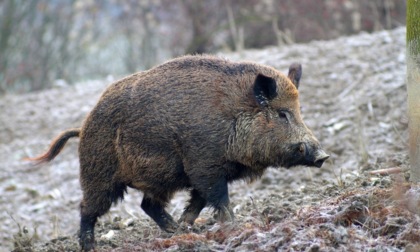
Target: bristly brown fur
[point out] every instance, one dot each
(56, 146)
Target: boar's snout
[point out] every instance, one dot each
(313, 155)
(320, 157)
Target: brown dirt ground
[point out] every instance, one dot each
(353, 97)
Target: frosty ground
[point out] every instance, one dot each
(353, 97)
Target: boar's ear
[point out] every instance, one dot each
(265, 89)
(295, 72)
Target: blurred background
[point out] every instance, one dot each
(54, 42)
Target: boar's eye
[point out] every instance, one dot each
(284, 116)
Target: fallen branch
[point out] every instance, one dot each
(387, 171)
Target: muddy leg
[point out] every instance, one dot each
(156, 211)
(191, 212)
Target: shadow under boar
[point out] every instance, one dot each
(197, 123)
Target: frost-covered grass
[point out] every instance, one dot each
(353, 97)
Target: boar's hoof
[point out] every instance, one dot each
(224, 214)
(187, 217)
(170, 227)
(87, 242)
(183, 228)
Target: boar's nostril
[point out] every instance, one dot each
(320, 157)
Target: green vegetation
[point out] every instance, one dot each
(413, 85)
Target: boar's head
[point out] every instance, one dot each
(274, 134)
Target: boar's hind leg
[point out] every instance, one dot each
(98, 196)
(156, 210)
(93, 206)
(87, 237)
(191, 212)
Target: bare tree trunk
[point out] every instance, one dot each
(283, 37)
(413, 85)
(6, 31)
(376, 15)
(201, 33)
(388, 6)
(237, 34)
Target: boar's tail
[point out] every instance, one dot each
(56, 146)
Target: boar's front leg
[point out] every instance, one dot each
(156, 210)
(191, 212)
(213, 187)
(219, 199)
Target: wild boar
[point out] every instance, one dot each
(196, 123)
